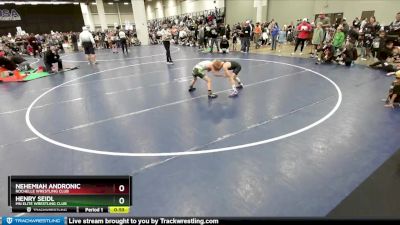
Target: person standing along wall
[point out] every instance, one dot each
(257, 35)
(317, 39)
(74, 40)
(214, 39)
(274, 35)
(304, 28)
(201, 37)
(246, 37)
(325, 23)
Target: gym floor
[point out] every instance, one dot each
(297, 140)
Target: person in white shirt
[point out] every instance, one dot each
(166, 39)
(87, 41)
(363, 23)
(122, 39)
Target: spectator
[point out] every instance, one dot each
(394, 30)
(74, 41)
(201, 37)
(289, 32)
(326, 23)
(317, 39)
(304, 29)
(35, 45)
(356, 23)
(378, 43)
(207, 36)
(395, 25)
(224, 45)
(346, 27)
(369, 30)
(348, 55)
(257, 35)
(246, 31)
(353, 35)
(7, 64)
(282, 37)
(20, 62)
(274, 35)
(265, 36)
(135, 41)
(383, 54)
(235, 35)
(363, 23)
(51, 56)
(339, 38)
(214, 37)
(228, 32)
(114, 41)
(394, 92)
(327, 54)
(221, 30)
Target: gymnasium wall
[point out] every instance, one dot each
(385, 10)
(43, 18)
(285, 11)
(115, 13)
(163, 8)
(190, 6)
(172, 7)
(239, 11)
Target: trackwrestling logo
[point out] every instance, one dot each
(33, 220)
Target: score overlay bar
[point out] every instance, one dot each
(53, 193)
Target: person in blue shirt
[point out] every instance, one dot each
(274, 35)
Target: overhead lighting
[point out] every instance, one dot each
(94, 3)
(76, 3)
(20, 3)
(126, 3)
(111, 3)
(34, 3)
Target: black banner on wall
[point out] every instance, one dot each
(7, 15)
(40, 18)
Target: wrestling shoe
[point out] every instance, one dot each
(240, 86)
(234, 94)
(191, 89)
(390, 74)
(212, 95)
